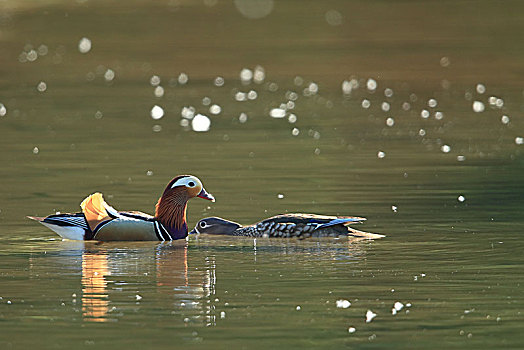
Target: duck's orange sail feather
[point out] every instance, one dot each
(94, 209)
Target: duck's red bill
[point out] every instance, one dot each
(205, 195)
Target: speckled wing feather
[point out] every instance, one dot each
(310, 218)
(301, 226)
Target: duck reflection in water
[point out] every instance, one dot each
(95, 299)
(171, 266)
(165, 265)
(193, 292)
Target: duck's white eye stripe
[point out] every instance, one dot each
(189, 181)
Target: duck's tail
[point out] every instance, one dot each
(68, 226)
(362, 234)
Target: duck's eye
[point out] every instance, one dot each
(191, 184)
(203, 224)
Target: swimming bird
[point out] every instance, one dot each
(99, 221)
(287, 226)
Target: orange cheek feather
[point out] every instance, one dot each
(193, 192)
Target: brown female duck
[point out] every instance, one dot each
(287, 226)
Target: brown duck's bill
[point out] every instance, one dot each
(205, 195)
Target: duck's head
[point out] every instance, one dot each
(171, 207)
(215, 226)
(186, 187)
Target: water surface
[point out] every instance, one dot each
(424, 139)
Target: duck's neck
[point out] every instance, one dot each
(171, 212)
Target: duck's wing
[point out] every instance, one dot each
(126, 228)
(136, 215)
(306, 225)
(96, 210)
(314, 219)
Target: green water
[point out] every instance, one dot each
(447, 190)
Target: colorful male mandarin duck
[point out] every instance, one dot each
(99, 221)
(287, 226)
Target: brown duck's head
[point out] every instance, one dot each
(186, 186)
(171, 207)
(215, 226)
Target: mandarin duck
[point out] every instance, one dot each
(287, 226)
(99, 221)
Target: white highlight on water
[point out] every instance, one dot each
(240, 96)
(215, 109)
(188, 112)
(41, 87)
(201, 123)
(478, 107)
(444, 61)
(159, 91)
(333, 18)
(242, 117)
(246, 75)
(84, 46)
(183, 78)
(154, 80)
(157, 112)
(370, 315)
(398, 306)
(219, 81)
(259, 75)
(371, 85)
(343, 304)
(480, 88)
(313, 88)
(109, 75)
(157, 128)
(277, 113)
(254, 9)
